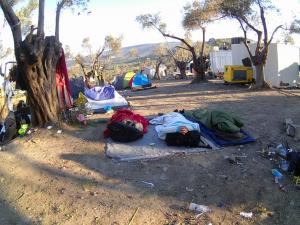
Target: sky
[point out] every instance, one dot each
(117, 17)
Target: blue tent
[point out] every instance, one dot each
(140, 80)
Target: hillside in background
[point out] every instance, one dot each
(145, 51)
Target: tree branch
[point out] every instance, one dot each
(183, 48)
(14, 24)
(203, 43)
(172, 36)
(272, 36)
(245, 37)
(41, 21)
(96, 59)
(263, 20)
(57, 18)
(83, 69)
(244, 19)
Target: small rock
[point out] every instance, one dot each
(189, 189)
(223, 176)
(93, 193)
(163, 177)
(49, 127)
(1, 180)
(165, 168)
(59, 132)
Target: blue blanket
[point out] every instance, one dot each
(209, 134)
(100, 93)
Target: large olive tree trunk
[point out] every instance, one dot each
(156, 74)
(199, 62)
(199, 69)
(260, 76)
(38, 61)
(36, 57)
(182, 68)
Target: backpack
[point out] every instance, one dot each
(122, 132)
(10, 129)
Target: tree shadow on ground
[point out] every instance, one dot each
(205, 178)
(9, 215)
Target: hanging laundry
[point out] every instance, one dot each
(63, 84)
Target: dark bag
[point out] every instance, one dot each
(10, 129)
(121, 132)
(190, 139)
(294, 163)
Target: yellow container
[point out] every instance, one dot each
(238, 74)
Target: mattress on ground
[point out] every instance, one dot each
(117, 102)
(146, 148)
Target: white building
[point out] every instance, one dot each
(282, 63)
(219, 59)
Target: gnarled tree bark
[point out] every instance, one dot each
(182, 68)
(36, 57)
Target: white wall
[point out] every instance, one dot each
(239, 52)
(288, 63)
(271, 67)
(282, 63)
(219, 59)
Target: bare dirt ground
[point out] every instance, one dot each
(65, 179)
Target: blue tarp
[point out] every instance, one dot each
(140, 80)
(211, 135)
(100, 93)
(76, 85)
(118, 82)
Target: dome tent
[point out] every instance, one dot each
(140, 80)
(134, 81)
(127, 78)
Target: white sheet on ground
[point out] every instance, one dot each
(146, 148)
(117, 101)
(171, 123)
